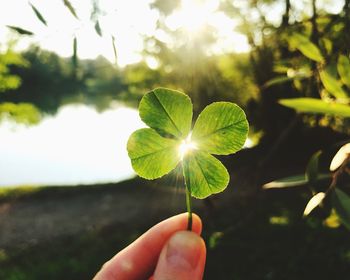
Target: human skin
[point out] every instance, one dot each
(166, 251)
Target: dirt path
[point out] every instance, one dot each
(63, 211)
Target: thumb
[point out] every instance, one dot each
(183, 257)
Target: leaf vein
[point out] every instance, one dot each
(219, 129)
(168, 115)
(149, 154)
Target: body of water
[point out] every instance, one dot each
(76, 146)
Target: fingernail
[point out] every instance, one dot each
(183, 250)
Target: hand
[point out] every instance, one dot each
(166, 251)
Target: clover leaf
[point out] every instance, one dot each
(221, 129)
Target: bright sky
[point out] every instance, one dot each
(126, 20)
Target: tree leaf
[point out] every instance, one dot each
(98, 28)
(114, 49)
(24, 113)
(70, 8)
(332, 85)
(38, 14)
(341, 203)
(340, 157)
(311, 173)
(167, 111)
(292, 181)
(278, 80)
(20, 30)
(316, 106)
(306, 47)
(75, 54)
(204, 174)
(221, 128)
(152, 155)
(343, 67)
(314, 202)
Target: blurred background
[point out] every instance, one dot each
(71, 76)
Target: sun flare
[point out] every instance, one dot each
(186, 146)
(193, 15)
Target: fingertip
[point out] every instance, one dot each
(183, 257)
(197, 224)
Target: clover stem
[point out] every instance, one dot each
(189, 210)
(188, 196)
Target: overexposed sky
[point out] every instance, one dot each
(127, 20)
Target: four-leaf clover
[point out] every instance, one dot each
(221, 129)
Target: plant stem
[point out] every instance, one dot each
(189, 206)
(188, 196)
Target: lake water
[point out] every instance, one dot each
(76, 146)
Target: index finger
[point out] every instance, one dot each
(138, 260)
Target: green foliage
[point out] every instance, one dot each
(9, 81)
(70, 8)
(204, 174)
(22, 113)
(292, 181)
(114, 49)
(312, 167)
(98, 28)
(332, 85)
(75, 55)
(167, 111)
(152, 155)
(317, 106)
(343, 66)
(341, 203)
(220, 129)
(338, 167)
(306, 47)
(20, 30)
(38, 14)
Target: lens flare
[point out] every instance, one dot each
(186, 147)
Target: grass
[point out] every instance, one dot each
(10, 193)
(268, 241)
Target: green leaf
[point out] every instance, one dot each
(24, 113)
(152, 155)
(204, 174)
(98, 28)
(20, 30)
(311, 173)
(317, 106)
(70, 8)
(167, 111)
(292, 75)
(220, 129)
(306, 47)
(278, 80)
(38, 14)
(292, 181)
(75, 55)
(114, 49)
(343, 66)
(332, 85)
(341, 203)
